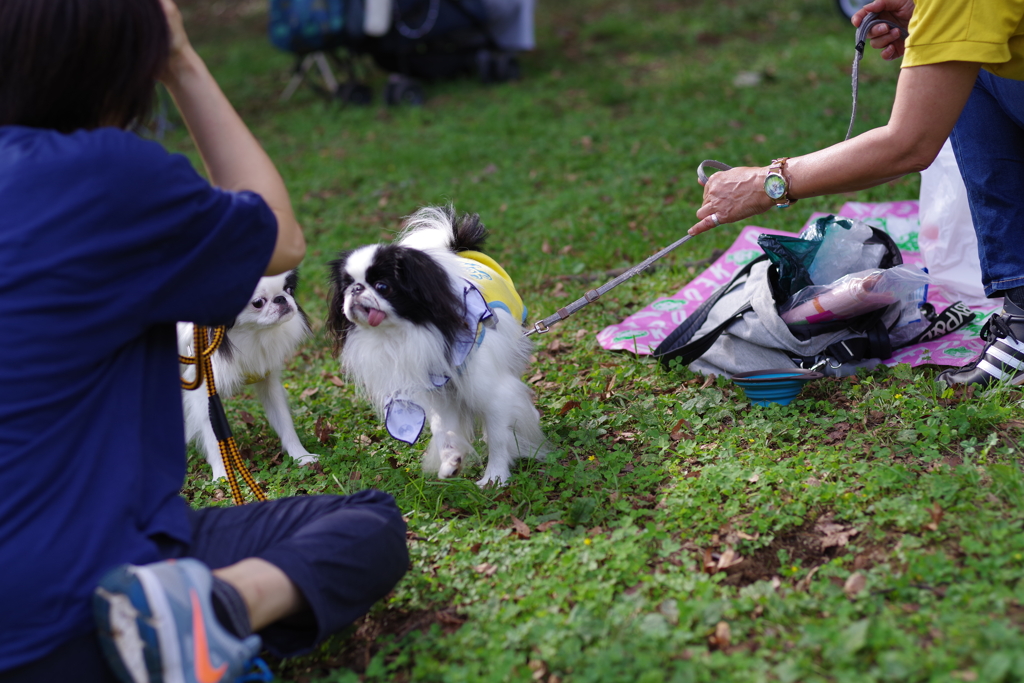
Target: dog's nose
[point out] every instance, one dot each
(357, 288)
(280, 300)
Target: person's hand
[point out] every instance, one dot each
(881, 36)
(178, 40)
(731, 196)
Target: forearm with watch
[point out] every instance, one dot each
(928, 101)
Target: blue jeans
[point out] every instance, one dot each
(343, 552)
(988, 141)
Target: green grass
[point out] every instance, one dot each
(871, 531)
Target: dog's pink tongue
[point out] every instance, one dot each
(375, 317)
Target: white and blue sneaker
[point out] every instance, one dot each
(1002, 359)
(157, 625)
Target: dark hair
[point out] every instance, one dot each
(69, 64)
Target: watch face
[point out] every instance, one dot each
(775, 186)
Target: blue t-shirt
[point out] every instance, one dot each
(105, 241)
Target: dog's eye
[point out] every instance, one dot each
(381, 288)
(258, 303)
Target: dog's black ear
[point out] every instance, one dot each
(338, 325)
(291, 283)
(427, 293)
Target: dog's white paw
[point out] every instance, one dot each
(451, 463)
(495, 478)
(306, 459)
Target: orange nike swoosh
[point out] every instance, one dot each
(205, 671)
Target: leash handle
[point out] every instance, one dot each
(702, 174)
(870, 21)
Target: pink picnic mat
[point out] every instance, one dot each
(644, 330)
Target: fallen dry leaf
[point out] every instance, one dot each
(487, 569)
(729, 558)
(569, 405)
(710, 565)
(681, 431)
(937, 513)
(520, 527)
(854, 585)
(335, 380)
(838, 433)
(246, 417)
(544, 526)
(834, 535)
(306, 393)
(323, 429)
(722, 637)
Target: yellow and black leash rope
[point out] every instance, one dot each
(205, 342)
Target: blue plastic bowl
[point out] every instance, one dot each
(774, 386)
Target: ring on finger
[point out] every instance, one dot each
(714, 219)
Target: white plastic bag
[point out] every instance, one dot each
(851, 295)
(947, 241)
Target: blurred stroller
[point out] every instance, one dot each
(415, 40)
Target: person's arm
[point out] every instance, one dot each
(929, 100)
(233, 158)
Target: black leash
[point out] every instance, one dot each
(702, 177)
(595, 294)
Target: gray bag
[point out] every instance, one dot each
(739, 330)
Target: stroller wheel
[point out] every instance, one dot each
(354, 93)
(401, 90)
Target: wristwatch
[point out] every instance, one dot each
(775, 184)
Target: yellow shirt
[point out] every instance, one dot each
(493, 282)
(987, 31)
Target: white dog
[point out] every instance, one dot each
(254, 350)
(431, 329)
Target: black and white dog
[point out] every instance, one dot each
(264, 335)
(430, 329)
